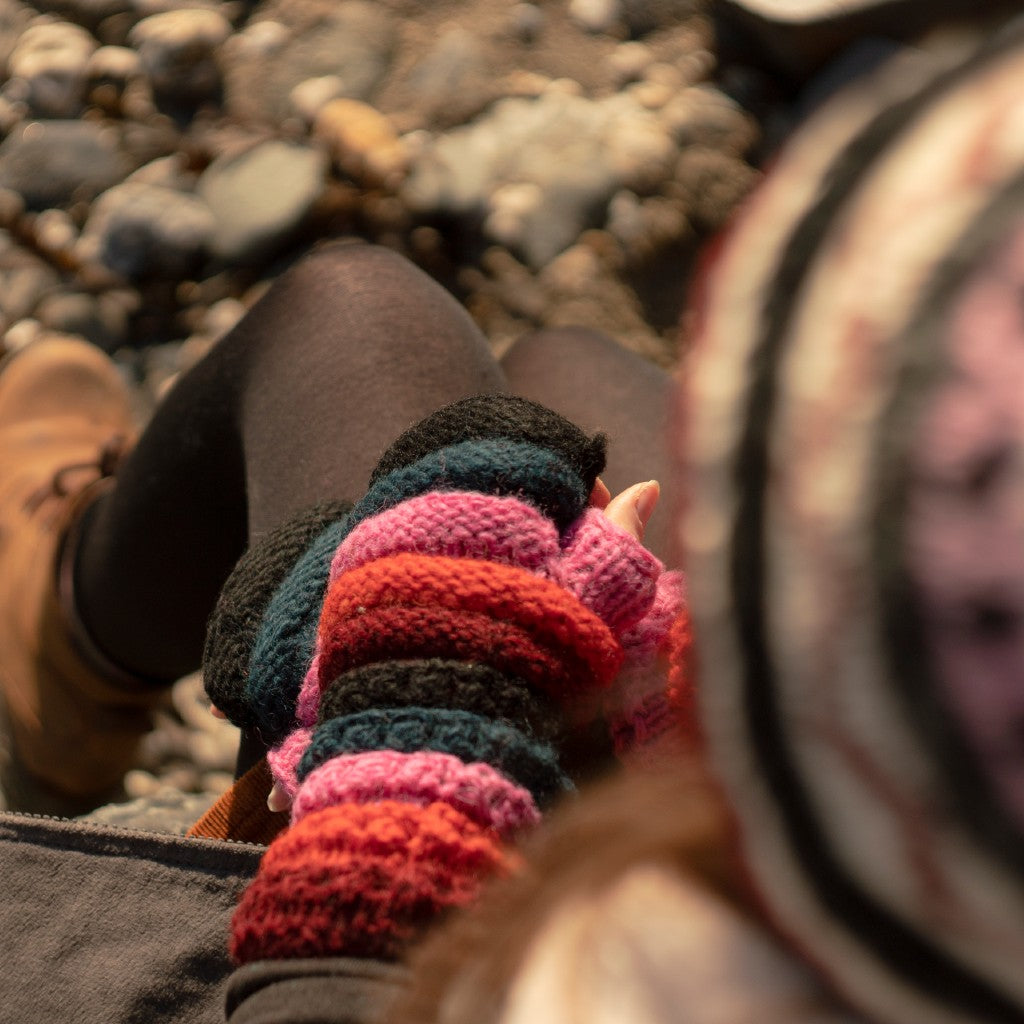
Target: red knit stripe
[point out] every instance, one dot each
(503, 592)
(399, 631)
(361, 880)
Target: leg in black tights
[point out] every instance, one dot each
(295, 406)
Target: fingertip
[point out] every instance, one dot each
(278, 799)
(647, 500)
(600, 495)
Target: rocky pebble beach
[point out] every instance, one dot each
(161, 162)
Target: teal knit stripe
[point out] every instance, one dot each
(472, 738)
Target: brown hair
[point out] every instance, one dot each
(674, 820)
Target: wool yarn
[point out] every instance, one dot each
(457, 524)
(532, 764)
(498, 416)
(500, 591)
(287, 637)
(467, 685)
(400, 631)
(607, 570)
(474, 789)
(361, 880)
(419, 663)
(285, 757)
(236, 618)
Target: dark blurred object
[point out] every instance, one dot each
(796, 38)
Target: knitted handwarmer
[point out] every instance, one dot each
(281, 654)
(417, 666)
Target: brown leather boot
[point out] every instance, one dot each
(73, 720)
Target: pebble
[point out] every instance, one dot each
(362, 141)
(221, 317)
(48, 68)
(166, 171)
(525, 22)
(452, 83)
(14, 18)
(24, 280)
(54, 231)
(56, 163)
(139, 231)
(109, 72)
(352, 40)
(260, 198)
(154, 807)
(577, 152)
(703, 115)
(308, 98)
(178, 51)
(630, 60)
(596, 15)
(20, 334)
(78, 314)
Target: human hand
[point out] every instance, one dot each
(632, 509)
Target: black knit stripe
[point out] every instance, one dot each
(235, 621)
(441, 683)
(497, 416)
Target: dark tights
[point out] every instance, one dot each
(294, 406)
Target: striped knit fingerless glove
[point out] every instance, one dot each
(418, 667)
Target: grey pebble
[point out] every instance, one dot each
(178, 51)
(55, 163)
(452, 82)
(260, 197)
(165, 809)
(139, 230)
(577, 152)
(24, 280)
(48, 66)
(84, 316)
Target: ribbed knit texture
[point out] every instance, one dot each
(469, 686)
(285, 643)
(285, 757)
(383, 634)
(418, 666)
(458, 524)
(474, 789)
(508, 603)
(235, 622)
(500, 591)
(497, 416)
(532, 764)
(361, 880)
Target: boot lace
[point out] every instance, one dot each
(106, 463)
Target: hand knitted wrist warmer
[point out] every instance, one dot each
(414, 667)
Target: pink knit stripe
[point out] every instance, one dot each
(645, 638)
(308, 702)
(476, 790)
(460, 524)
(608, 569)
(284, 759)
